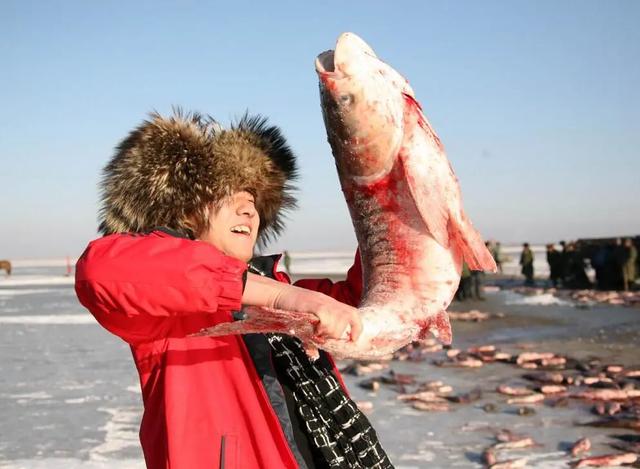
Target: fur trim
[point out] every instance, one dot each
(169, 170)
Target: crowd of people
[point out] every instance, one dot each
(614, 263)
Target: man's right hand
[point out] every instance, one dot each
(335, 318)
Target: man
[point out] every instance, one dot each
(526, 263)
(578, 274)
(183, 205)
(620, 256)
(464, 287)
(496, 255)
(565, 258)
(555, 265)
(629, 267)
(477, 280)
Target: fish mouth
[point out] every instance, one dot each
(350, 48)
(325, 65)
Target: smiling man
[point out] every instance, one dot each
(238, 217)
(184, 203)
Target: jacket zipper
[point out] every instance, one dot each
(222, 451)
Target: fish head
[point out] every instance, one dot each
(362, 105)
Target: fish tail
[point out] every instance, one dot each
(472, 247)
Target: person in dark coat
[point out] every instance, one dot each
(578, 272)
(564, 263)
(526, 263)
(554, 259)
(477, 284)
(620, 257)
(599, 259)
(464, 288)
(477, 280)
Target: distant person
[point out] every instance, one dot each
(6, 266)
(579, 278)
(569, 258)
(564, 263)
(477, 280)
(554, 259)
(599, 259)
(495, 252)
(477, 284)
(629, 267)
(526, 263)
(464, 288)
(286, 258)
(620, 257)
(611, 274)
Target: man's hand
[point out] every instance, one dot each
(335, 318)
(334, 322)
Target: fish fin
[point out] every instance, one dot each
(439, 326)
(474, 251)
(429, 199)
(427, 192)
(446, 222)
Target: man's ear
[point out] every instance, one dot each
(198, 223)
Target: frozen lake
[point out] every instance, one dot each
(69, 395)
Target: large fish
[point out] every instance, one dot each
(404, 201)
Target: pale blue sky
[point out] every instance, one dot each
(537, 103)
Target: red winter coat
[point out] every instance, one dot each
(204, 403)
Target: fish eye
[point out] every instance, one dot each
(346, 99)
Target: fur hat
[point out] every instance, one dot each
(168, 171)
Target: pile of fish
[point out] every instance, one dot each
(473, 315)
(610, 391)
(405, 205)
(587, 297)
(622, 298)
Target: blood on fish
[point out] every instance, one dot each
(405, 205)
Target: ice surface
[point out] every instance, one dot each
(49, 319)
(543, 299)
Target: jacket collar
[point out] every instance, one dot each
(170, 232)
(265, 265)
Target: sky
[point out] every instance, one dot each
(537, 103)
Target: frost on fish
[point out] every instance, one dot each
(405, 205)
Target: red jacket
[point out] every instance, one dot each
(203, 400)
